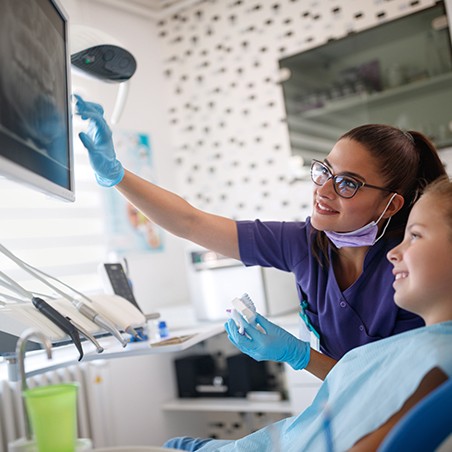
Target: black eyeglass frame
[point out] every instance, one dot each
(360, 184)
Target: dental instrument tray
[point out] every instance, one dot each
(186, 339)
(173, 340)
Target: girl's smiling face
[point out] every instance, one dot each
(423, 262)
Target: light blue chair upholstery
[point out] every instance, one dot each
(426, 426)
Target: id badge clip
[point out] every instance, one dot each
(314, 336)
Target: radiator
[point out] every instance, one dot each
(92, 403)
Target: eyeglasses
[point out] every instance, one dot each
(344, 186)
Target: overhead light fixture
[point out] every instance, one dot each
(98, 55)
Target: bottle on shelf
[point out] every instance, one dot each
(163, 330)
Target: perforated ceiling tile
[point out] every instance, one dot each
(227, 114)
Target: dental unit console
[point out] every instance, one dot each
(115, 281)
(66, 316)
(16, 317)
(58, 319)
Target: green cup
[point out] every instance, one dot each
(52, 411)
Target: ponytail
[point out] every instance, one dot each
(429, 167)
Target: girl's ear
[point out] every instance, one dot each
(396, 204)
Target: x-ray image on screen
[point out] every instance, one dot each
(34, 125)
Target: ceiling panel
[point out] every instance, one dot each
(151, 8)
(157, 5)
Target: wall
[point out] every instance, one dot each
(226, 107)
(154, 274)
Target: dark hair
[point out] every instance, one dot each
(408, 161)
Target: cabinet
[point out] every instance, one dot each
(398, 73)
(232, 417)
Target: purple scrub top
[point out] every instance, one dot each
(364, 312)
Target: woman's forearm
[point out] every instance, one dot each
(177, 216)
(320, 365)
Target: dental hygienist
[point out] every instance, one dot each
(363, 193)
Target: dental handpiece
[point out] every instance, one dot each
(59, 320)
(88, 336)
(100, 321)
(133, 332)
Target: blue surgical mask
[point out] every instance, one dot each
(364, 236)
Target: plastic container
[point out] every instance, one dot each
(163, 330)
(52, 411)
(24, 445)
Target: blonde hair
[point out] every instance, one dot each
(441, 189)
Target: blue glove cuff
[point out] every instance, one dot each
(302, 358)
(113, 179)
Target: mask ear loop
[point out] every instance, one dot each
(389, 219)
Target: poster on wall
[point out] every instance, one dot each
(128, 230)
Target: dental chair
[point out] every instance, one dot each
(426, 426)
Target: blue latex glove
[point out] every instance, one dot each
(98, 141)
(277, 345)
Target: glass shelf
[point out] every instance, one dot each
(397, 73)
(439, 82)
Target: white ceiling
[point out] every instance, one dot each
(156, 5)
(156, 9)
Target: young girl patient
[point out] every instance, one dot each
(373, 386)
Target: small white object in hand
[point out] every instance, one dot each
(244, 309)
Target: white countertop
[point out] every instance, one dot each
(185, 331)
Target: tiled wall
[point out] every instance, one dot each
(229, 136)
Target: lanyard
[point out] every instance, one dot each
(305, 318)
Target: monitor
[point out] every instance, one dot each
(35, 105)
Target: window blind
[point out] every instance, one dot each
(65, 240)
